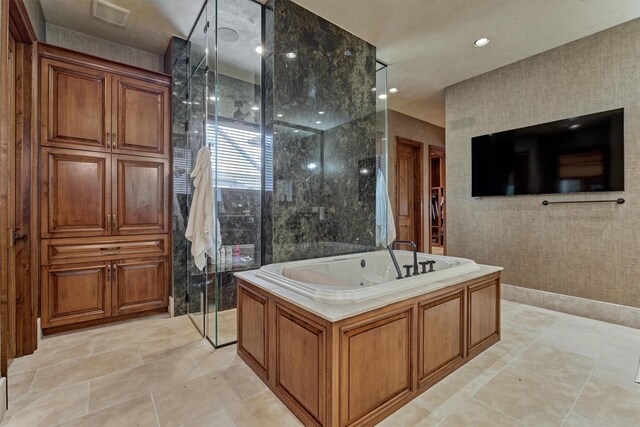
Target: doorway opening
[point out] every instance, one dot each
(409, 216)
(437, 241)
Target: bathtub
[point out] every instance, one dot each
(359, 277)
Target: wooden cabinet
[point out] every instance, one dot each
(90, 279)
(141, 195)
(91, 109)
(440, 336)
(75, 193)
(75, 293)
(104, 190)
(358, 370)
(75, 104)
(139, 285)
(141, 111)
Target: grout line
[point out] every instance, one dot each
(582, 389)
(155, 410)
(497, 410)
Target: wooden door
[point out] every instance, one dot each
(141, 114)
(140, 195)
(409, 191)
(75, 293)
(76, 106)
(75, 193)
(139, 285)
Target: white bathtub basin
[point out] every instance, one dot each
(359, 277)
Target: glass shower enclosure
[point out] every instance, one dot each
(222, 94)
(286, 154)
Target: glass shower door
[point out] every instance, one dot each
(196, 100)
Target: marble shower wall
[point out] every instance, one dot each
(323, 164)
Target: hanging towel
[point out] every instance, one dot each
(385, 227)
(202, 222)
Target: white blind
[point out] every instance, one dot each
(239, 156)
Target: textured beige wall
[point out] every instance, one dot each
(411, 128)
(586, 250)
(85, 43)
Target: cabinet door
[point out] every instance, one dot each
(484, 315)
(75, 102)
(141, 117)
(75, 193)
(75, 293)
(139, 285)
(140, 195)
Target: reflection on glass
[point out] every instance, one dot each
(234, 133)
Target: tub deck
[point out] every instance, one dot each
(355, 364)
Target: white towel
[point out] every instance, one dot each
(385, 226)
(202, 218)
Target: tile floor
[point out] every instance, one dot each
(550, 369)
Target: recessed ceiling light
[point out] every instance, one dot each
(279, 114)
(291, 55)
(318, 122)
(393, 90)
(296, 131)
(255, 108)
(383, 96)
(259, 49)
(483, 41)
(228, 35)
(320, 112)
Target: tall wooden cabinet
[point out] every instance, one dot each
(104, 190)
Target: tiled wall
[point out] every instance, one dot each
(333, 72)
(84, 43)
(586, 250)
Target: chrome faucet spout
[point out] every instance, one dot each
(415, 253)
(395, 262)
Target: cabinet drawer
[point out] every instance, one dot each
(62, 251)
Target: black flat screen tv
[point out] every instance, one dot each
(580, 154)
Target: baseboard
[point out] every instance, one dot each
(598, 310)
(3, 397)
(40, 334)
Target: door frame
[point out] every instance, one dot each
(419, 190)
(18, 296)
(436, 151)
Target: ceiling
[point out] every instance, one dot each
(428, 44)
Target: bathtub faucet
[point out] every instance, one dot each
(392, 246)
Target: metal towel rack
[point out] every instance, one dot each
(618, 201)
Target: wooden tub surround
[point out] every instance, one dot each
(355, 364)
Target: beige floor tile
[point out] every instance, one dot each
(133, 338)
(618, 367)
(444, 397)
(189, 400)
(119, 387)
(161, 348)
(555, 364)
(530, 319)
(56, 376)
(411, 415)
(50, 356)
(261, 410)
(494, 359)
(49, 409)
(608, 404)
(20, 384)
(217, 360)
(573, 339)
(477, 414)
(138, 412)
(517, 338)
(527, 397)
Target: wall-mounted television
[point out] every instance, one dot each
(580, 154)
